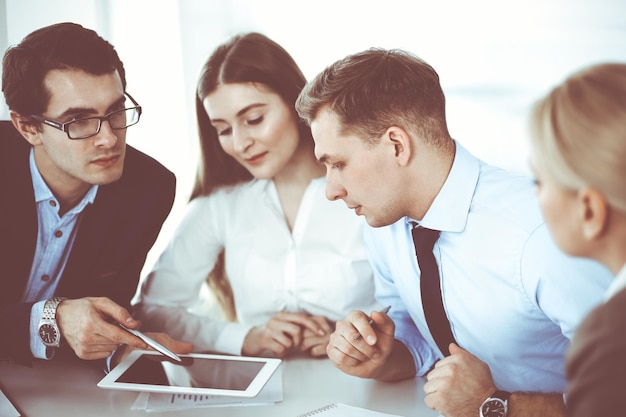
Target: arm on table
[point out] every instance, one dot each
(89, 325)
(369, 350)
(459, 383)
(285, 332)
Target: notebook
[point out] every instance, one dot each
(344, 410)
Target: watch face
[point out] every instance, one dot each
(494, 408)
(48, 334)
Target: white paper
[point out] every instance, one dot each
(7, 409)
(271, 393)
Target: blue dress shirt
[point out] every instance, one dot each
(512, 297)
(55, 237)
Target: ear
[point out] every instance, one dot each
(27, 128)
(594, 213)
(401, 142)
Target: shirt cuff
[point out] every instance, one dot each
(107, 364)
(37, 348)
(230, 340)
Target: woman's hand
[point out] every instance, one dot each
(283, 334)
(314, 342)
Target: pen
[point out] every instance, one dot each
(384, 310)
(153, 344)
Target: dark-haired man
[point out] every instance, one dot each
(80, 208)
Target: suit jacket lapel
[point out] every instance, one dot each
(95, 227)
(19, 216)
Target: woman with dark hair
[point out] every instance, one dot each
(284, 262)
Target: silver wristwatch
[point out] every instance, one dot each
(497, 405)
(49, 332)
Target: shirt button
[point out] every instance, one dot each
(58, 233)
(45, 278)
(53, 203)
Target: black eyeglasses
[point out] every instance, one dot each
(90, 126)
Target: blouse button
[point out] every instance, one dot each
(45, 278)
(58, 233)
(53, 203)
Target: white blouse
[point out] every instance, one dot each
(320, 267)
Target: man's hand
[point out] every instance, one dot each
(281, 335)
(360, 348)
(174, 345)
(89, 325)
(458, 384)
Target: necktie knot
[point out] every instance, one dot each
(424, 239)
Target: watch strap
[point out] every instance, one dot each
(503, 395)
(48, 318)
(50, 308)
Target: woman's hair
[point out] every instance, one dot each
(578, 132)
(375, 89)
(245, 58)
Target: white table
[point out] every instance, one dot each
(64, 388)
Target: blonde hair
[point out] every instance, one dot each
(578, 132)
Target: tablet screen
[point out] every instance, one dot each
(193, 372)
(198, 373)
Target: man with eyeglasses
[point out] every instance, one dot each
(80, 208)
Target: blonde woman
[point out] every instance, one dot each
(578, 154)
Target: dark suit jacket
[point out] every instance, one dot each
(114, 236)
(596, 362)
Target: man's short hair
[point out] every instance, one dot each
(373, 90)
(59, 46)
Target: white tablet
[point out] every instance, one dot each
(205, 374)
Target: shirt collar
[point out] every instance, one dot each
(451, 206)
(43, 193)
(618, 284)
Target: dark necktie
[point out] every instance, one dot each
(438, 324)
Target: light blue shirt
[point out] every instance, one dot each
(55, 237)
(513, 298)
